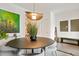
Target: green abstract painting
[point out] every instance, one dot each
(9, 21)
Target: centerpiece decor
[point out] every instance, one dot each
(32, 30)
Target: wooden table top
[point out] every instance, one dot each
(26, 43)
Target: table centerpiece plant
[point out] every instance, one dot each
(32, 30)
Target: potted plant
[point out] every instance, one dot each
(3, 35)
(32, 30)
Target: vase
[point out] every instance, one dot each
(33, 38)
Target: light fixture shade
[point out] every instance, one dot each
(34, 15)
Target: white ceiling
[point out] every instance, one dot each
(56, 7)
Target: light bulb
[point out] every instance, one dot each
(34, 16)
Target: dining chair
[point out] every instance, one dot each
(8, 51)
(38, 50)
(51, 50)
(23, 52)
(28, 52)
(41, 53)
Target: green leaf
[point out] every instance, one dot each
(3, 35)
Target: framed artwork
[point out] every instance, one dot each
(75, 25)
(63, 26)
(9, 21)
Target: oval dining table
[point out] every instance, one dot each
(26, 43)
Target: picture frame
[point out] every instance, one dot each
(9, 21)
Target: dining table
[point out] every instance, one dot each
(26, 43)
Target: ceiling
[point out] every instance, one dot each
(56, 7)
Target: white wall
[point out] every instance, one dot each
(67, 15)
(47, 24)
(44, 25)
(18, 10)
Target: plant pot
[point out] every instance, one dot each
(33, 38)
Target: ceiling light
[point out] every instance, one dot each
(34, 15)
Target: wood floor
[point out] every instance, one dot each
(69, 49)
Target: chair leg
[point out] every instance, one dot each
(54, 53)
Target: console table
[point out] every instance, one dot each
(63, 38)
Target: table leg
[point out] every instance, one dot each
(61, 40)
(18, 50)
(32, 51)
(44, 51)
(41, 50)
(78, 43)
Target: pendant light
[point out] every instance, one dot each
(34, 15)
